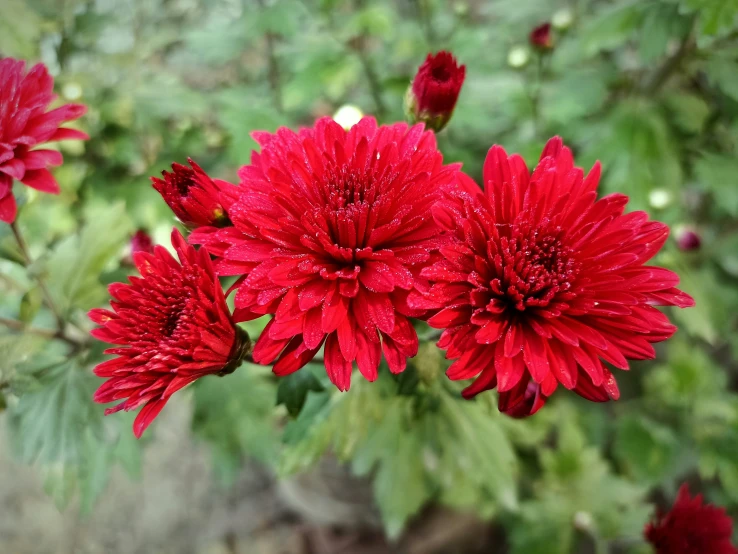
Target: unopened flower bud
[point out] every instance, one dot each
(541, 37)
(432, 95)
(195, 198)
(687, 239)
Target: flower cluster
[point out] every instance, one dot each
(343, 237)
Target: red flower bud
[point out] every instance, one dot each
(688, 240)
(541, 37)
(141, 242)
(195, 198)
(432, 96)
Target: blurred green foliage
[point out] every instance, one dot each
(649, 87)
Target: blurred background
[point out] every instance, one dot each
(649, 87)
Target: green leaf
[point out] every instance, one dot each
(49, 424)
(293, 389)
(76, 263)
(717, 173)
(611, 27)
(16, 350)
(30, 304)
(234, 415)
(647, 448)
(400, 484)
(637, 149)
(722, 70)
(714, 15)
(689, 111)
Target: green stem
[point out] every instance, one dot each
(374, 85)
(60, 323)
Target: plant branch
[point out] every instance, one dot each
(50, 334)
(274, 73)
(374, 85)
(672, 64)
(60, 323)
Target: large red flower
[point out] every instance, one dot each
(173, 327)
(543, 283)
(25, 124)
(329, 233)
(691, 528)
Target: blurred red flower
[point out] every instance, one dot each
(541, 37)
(330, 231)
(172, 326)
(141, 242)
(195, 198)
(542, 282)
(432, 95)
(691, 527)
(24, 124)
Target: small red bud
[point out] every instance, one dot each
(195, 198)
(141, 242)
(542, 38)
(432, 96)
(688, 240)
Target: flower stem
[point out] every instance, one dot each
(374, 85)
(274, 73)
(60, 323)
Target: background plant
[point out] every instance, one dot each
(648, 87)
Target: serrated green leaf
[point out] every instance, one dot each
(689, 111)
(15, 350)
(611, 27)
(234, 415)
(400, 484)
(49, 424)
(717, 173)
(714, 15)
(647, 448)
(76, 263)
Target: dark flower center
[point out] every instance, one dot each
(441, 73)
(531, 266)
(182, 181)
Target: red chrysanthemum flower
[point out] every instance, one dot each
(544, 283)
(541, 37)
(25, 124)
(195, 198)
(691, 527)
(329, 233)
(173, 327)
(432, 95)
